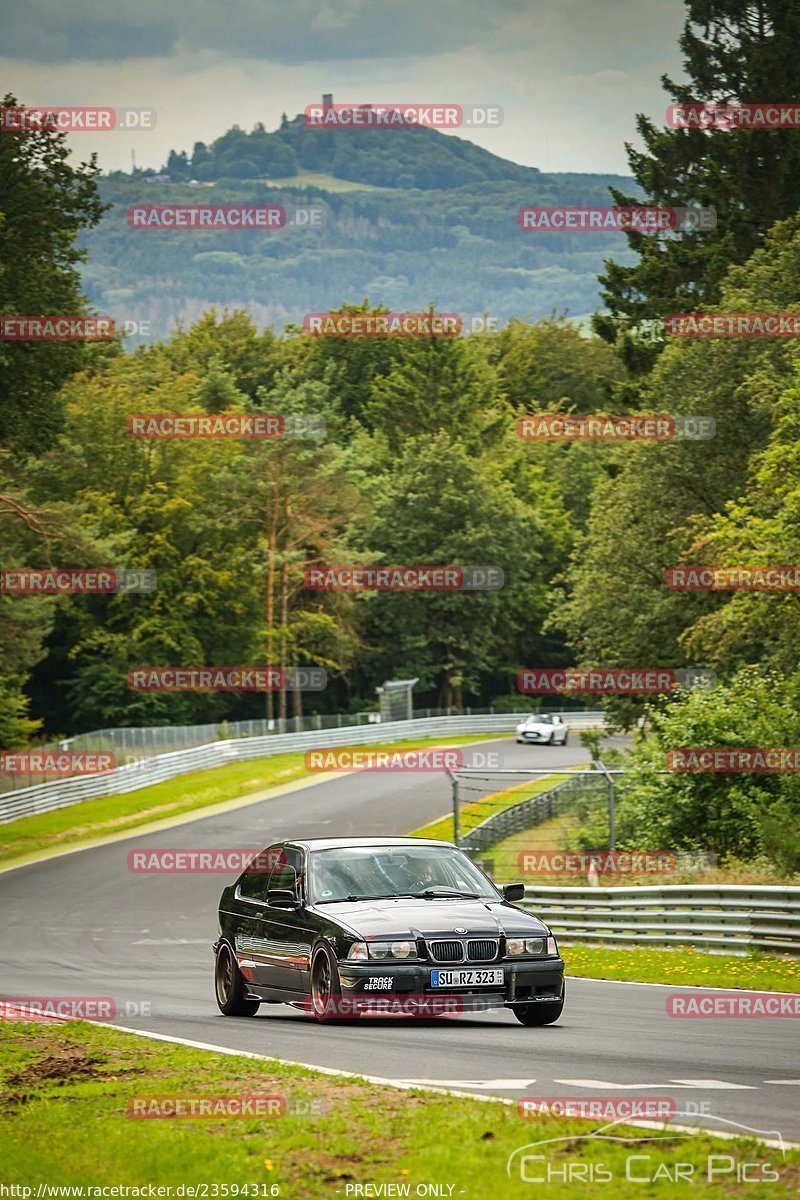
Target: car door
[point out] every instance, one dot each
(288, 932)
(251, 907)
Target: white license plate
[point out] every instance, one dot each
(456, 979)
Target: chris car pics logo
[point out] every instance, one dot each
(650, 1157)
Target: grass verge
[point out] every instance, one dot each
(91, 820)
(684, 965)
(67, 1090)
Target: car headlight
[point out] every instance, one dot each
(517, 946)
(552, 948)
(392, 949)
(358, 951)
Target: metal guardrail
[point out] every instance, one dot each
(730, 917)
(129, 743)
(61, 793)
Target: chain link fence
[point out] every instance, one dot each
(492, 825)
(500, 829)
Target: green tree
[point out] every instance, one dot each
(548, 365)
(646, 507)
(45, 204)
(444, 506)
(727, 814)
(734, 51)
(760, 527)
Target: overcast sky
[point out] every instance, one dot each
(569, 75)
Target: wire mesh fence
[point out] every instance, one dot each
(495, 827)
(534, 831)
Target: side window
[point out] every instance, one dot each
(287, 873)
(253, 881)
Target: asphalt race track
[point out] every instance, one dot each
(84, 925)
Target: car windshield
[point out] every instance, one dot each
(540, 719)
(361, 872)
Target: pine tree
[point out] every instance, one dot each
(736, 51)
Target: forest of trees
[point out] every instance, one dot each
(421, 464)
(458, 247)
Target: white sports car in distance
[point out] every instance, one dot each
(543, 728)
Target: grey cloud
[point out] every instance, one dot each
(45, 32)
(281, 31)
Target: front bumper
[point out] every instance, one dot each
(525, 981)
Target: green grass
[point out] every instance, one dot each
(685, 965)
(556, 833)
(471, 814)
(66, 1091)
(90, 820)
(330, 183)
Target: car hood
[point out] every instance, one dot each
(426, 918)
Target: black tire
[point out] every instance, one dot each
(326, 989)
(229, 986)
(566, 739)
(539, 1013)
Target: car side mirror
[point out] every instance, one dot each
(282, 898)
(513, 891)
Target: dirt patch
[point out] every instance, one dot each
(66, 1062)
(331, 1168)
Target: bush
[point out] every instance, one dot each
(742, 814)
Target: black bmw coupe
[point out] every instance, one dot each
(345, 926)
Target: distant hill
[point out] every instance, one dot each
(444, 231)
(410, 157)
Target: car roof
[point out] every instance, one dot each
(334, 843)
